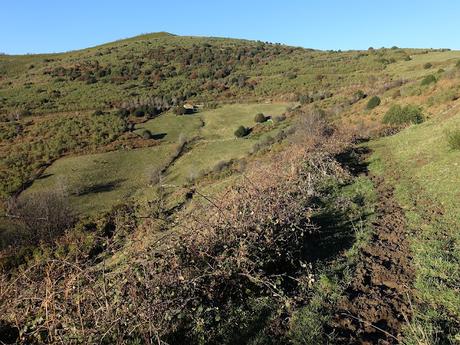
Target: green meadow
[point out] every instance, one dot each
(96, 182)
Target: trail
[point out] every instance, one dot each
(376, 304)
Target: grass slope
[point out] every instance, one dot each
(425, 172)
(98, 181)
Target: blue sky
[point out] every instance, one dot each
(34, 26)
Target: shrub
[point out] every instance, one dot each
(155, 176)
(91, 80)
(359, 94)
(311, 127)
(398, 115)
(396, 94)
(429, 79)
(428, 65)
(373, 102)
(305, 99)
(264, 143)
(407, 58)
(25, 112)
(179, 110)
(241, 131)
(279, 118)
(221, 166)
(123, 112)
(453, 138)
(139, 112)
(43, 216)
(146, 134)
(259, 118)
(98, 113)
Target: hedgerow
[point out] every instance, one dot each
(238, 266)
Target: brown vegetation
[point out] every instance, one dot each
(239, 257)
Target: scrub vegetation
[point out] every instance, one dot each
(188, 190)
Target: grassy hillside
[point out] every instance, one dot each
(139, 214)
(96, 182)
(424, 167)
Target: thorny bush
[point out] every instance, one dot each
(233, 266)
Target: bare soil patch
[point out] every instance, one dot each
(376, 304)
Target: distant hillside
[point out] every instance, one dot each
(172, 69)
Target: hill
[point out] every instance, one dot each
(191, 190)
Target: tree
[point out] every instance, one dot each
(241, 131)
(259, 118)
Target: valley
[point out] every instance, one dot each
(168, 189)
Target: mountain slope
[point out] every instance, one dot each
(180, 201)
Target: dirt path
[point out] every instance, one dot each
(376, 304)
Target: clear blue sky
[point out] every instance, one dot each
(33, 26)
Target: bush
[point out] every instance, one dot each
(398, 115)
(428, 65)
(453, 138)
(359, 94)
(396, 94)
(457, 64)
(373, 102)
(25, 112)
(123, 112)
(146, 134)
(179, 110)
(98, 113)
(241, 131)
(305, 99)
(259, 118)
(279, 118)
(264, 143)
(221, 166)
(43, 216)
(429, 79)
(139, 112)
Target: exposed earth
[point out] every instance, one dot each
(376, 305)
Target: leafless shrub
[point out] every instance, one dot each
(392, 84)
(244, 245)
(41, 216)
(312, 127)
(155, 175)
(221, 166)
